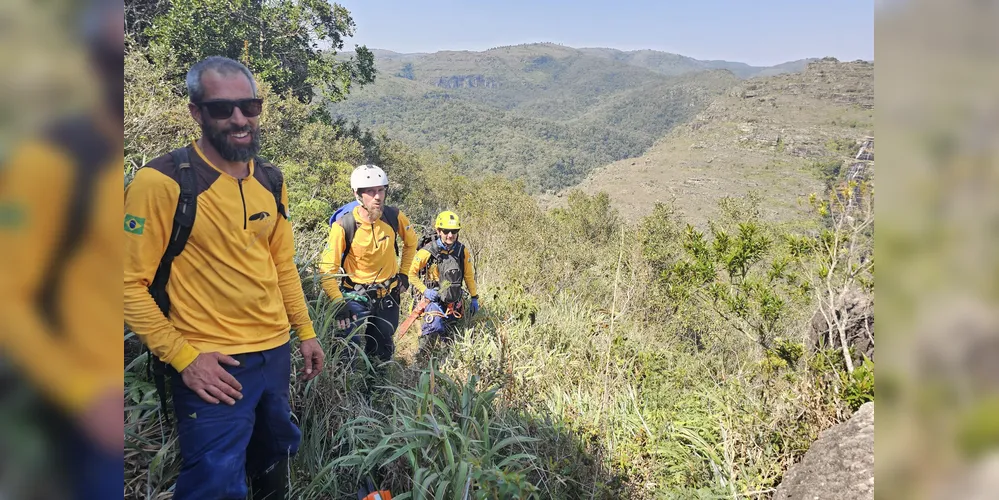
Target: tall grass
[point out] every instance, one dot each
(583, 376)
(548, 392)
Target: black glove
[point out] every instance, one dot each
(343, 313)
(403, 281)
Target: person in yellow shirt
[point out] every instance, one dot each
(363, 243)
(60, 249)
(437, 273)
(221, 311)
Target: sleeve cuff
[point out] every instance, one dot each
(78, 393)
(184, 357)
(306, 332)
(332, 289)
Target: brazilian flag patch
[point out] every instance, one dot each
(134, 224)
(11, 216)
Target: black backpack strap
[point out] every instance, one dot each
(90, 151)
(391, 217)
(460, 255)
(435, 251)
(183, 222)
(349, 225)
(276, 179)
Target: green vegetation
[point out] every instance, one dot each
(829, 169)
(675, 64)
(845, 146)
(858, 387)
(543, 113)
(610, 359)
(766, 136)
(277, 40)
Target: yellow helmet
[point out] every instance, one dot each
(447, 220)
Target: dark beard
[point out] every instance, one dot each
(220, 140)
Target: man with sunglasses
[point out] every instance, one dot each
(363, 243)
(437, 273)
(233, 294)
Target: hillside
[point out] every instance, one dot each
(603, 356)
(542, 112)
(776, 136)
(676, 64)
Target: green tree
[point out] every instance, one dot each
(281, 41)
(840, 260)
(587, 218)
(740, 273)
(406, 72)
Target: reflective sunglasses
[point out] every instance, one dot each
(449, 231)
(221, 109)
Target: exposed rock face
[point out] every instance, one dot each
(840, 464)
(857, 309)
(466, 81)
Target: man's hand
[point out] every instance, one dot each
(206, 377)
(314, 356)
(103, 422)
(344, 317)
(403, 282)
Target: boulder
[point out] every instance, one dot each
(840, 464)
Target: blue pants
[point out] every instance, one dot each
(221, 444)
(434, 323)
(376, 321)
(94, 472)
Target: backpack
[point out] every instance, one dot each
(343, 210)
(183, 222)
(429, 236)
(90, 154)
(83, 142)
(450, 271)
(345, 217)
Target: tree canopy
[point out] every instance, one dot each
(288, 43)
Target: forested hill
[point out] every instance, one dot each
(545, 113)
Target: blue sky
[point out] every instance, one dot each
(763, 32)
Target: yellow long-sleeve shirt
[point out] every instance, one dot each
(235, 287)
(423, 258)
(372, 257)
(72, 353)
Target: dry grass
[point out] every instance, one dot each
(762, 137)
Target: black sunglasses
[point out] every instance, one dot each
(221, 109)
(449, 231)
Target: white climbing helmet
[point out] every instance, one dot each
(366, 176)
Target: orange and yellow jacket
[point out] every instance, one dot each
(423, 258)
(71, 350)
(372, 257)
(235, 287)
